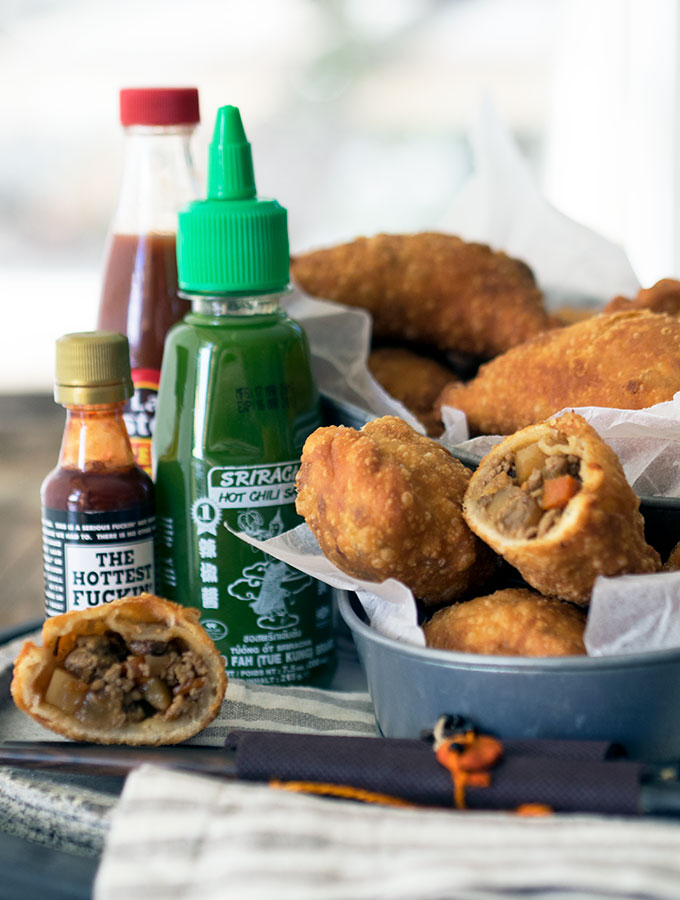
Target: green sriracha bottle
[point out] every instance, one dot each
(236, 401)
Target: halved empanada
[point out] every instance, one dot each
(139, 670)
(553, 500)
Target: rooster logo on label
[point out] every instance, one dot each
(267, 585)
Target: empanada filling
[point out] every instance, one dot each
(105, 681)
(528, 492)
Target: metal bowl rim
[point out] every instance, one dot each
(472, 661)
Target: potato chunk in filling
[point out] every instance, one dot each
(526, 495)
(105, 681)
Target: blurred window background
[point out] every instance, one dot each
(358, 111)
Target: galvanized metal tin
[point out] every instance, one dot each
(632, 699)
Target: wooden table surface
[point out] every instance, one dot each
(30, 437)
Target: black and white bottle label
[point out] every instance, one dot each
(95, 557)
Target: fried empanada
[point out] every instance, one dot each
(139, 670)
(385, 502)
(625, 360)
(662, 297)
(432, 288)
(672, 564)
(554, 502)
(569, 315)
(510, 622)
(414, 380)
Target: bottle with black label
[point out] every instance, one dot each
(97, 505)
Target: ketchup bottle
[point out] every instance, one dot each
(139, 295)
(97, 506)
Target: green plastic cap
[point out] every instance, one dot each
(234, 241)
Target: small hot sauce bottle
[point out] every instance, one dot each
(98, 520)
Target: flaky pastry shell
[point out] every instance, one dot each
(431, 288)
(625, 360)
(385, 502)
(600, 532)
(142, 618)
(509, 622)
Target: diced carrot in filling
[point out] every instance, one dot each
(557, 492)
(526, 494)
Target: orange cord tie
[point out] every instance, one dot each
(534, 809)
(467, 756)
(344, 791)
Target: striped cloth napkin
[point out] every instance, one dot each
(175, 836)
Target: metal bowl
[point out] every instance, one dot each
(632, 699)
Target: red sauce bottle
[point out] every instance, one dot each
(139, 292)
(97, 505)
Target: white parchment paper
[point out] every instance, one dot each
(501, 205)
(632, 613)
(390, 605)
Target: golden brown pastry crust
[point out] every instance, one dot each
(662, 297)
(145, 617)
(414, 380)
(510, 622)
(430, 287)
(569, 315)
(385, 502)
(625, 360)
(672, 564)
(600, 532)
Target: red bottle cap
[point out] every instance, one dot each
(159, 106)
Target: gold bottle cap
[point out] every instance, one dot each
(92, 367)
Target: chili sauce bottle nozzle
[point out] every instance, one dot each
(230, 159)
(233, 241)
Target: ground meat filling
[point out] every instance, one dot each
(105, 681)
(526, 494)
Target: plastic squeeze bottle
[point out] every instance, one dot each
(139, 293)
(97, 505)
(236, 402)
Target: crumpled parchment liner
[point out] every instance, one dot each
(390, 606)
(632, 613)
(501, 205)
